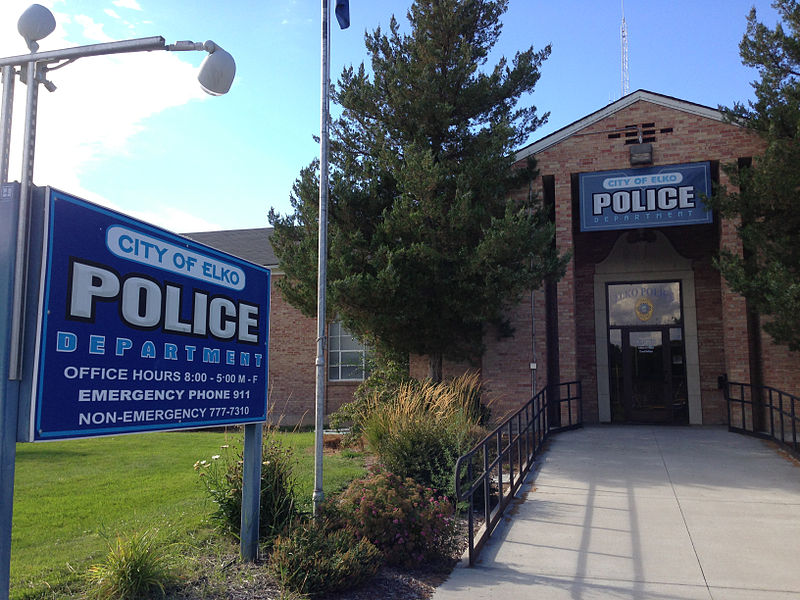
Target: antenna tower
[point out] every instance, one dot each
(623, 36)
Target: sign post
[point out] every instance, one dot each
(9, 389)
(251, 491)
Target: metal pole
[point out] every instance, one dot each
(322, 274)
(9, 410)
(120, 47)
(6, 110)
(251, 491)
(9, 390)
(21, 260)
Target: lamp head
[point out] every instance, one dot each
(36, 23)
(217, 71)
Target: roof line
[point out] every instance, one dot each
(624, 102)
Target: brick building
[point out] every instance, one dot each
(641, 316)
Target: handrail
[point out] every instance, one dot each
(764, 412)
(505, 456)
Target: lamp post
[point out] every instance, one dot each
(37, 22)
(215, 77)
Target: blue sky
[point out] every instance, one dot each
(136, 132)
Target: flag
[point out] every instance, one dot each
(343, 13)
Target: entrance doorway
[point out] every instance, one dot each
(646, 353)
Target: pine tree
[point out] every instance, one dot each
(433, 231)
(767, 203)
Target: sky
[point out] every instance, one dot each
(136, 133)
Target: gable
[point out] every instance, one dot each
(612, 109)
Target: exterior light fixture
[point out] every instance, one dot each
(641, 154)
(35, 24)
(218, 68)
(217, 71)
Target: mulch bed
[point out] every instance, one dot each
(250, 581)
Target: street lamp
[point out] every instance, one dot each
(37, 22)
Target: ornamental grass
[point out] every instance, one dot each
(425, 427)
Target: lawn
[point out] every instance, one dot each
(70, 497)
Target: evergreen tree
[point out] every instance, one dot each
(433, 232)
(767, 203)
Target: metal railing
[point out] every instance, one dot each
(764, 412)
(490, 474)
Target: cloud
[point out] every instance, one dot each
(111, 13)
(99, 105)
(92, 30)
(168, 217)
(132, 4)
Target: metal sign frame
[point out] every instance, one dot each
(139, 329)
(662, 196)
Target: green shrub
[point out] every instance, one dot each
(405, 520)
(222, 479)
(423, 430)
(423, 450)
(314, 559)
(135, 568)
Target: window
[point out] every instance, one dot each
(657, 303)
(347, 357)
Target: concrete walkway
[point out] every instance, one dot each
(649, 513)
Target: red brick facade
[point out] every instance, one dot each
(292, 375)
(685, 133)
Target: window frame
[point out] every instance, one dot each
(337, 334)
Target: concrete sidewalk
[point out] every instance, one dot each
(649, 513)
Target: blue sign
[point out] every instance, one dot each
(143, 330)
(650, 197)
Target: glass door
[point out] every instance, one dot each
(647, 373)
(647, 379)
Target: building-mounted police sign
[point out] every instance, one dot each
(143, 330)
(649, 197)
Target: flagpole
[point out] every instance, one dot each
(322, 261)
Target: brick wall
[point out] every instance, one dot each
(588, 252)
(292, 353)
(506, 363)
(780, 366)
(292, 375)
(722, 325)
(700, 243)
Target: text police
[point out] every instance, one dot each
(647, 200)
(148, 304)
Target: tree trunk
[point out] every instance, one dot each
(435, 367)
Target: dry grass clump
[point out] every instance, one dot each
(423, 429)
